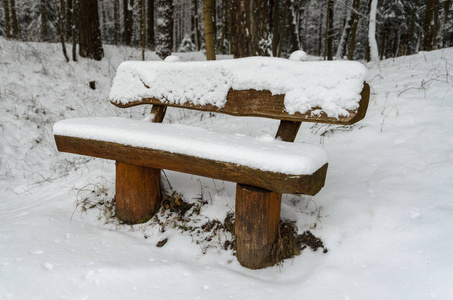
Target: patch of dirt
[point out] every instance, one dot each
(290, 244)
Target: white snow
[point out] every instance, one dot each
(298, 55)
(334, 87)
(384, 213)
(172, 58)
(262, 153)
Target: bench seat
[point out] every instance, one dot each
(259, 161)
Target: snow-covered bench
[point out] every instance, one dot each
(263, 168)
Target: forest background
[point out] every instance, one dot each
(339, 29)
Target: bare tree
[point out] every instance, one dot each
(293, 27)
(431, 25)
(374, 55)
(150, 30)
(127, 23)
(7, 19)
(329, 29)
(275, 27)
(224, 25)
(164, 29)
(355, 22)
(16, 33)
(197, 26)
(282, 30)
(208, 9)
(90, 44)
(44, 31)
(143, 27)
(116, 22)
(61, 26)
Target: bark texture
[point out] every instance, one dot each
(90, 45)
(208, 10)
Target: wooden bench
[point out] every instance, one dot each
(262, 168)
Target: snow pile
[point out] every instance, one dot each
(298, 55)
(259, 153)
(334, 87)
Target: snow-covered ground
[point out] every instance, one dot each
(385, 213)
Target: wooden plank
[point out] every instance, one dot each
(287, 131)
(278, 182)
(257, 224)
(253, 103)
(159, 113)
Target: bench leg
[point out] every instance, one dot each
(257, 215)
(137, 192)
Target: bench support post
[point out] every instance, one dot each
(257, 224)
(137, 192)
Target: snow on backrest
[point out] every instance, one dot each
(333, 87)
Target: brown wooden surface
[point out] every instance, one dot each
(253, 103)
(137, 192)
(278, 182)
(287, 131)
(159, 113)
(257, 220)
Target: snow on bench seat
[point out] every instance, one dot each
(262, 153)
(331, 87)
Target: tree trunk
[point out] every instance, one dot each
(447, 5)
(164, 32)
(75, 28)
(411, 33)
(208, 9)
(127, 21)
(374, 55)
(240, 44)
(344, 36)
(7, 19)
(319, 46)
(150, 29)
(259, 27)
(143, 27)
(90, 45)
(275, 17)
(430, 25)
(68, 29)
(384, 43)
(396, 41)
(224, 26)
(293, 28)
(16, 33)
(329, 29)
(355, 22)
(197, 26)
(282, 30)
(61, 27)
(44, 34)
(116, 22)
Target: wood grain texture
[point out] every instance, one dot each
(287, 131)
(159, 113)
(257, 221)
(137, 192)
(253, 103)
(278, 182)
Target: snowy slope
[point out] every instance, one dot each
(384, 214)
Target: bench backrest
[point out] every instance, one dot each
(291, 91)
